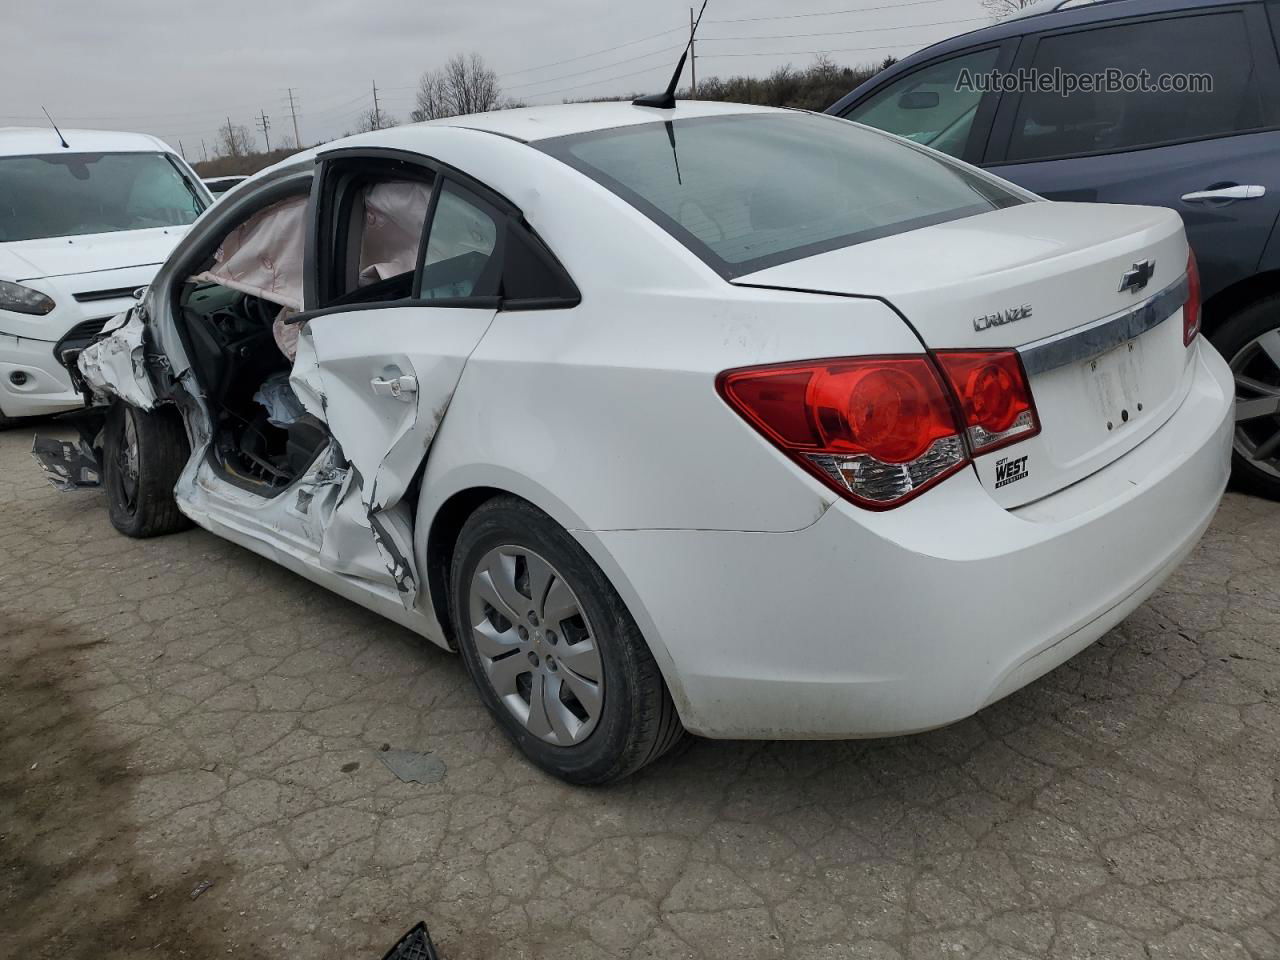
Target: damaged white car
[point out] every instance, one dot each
(746, 422)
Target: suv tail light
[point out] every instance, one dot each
(879, 430)
(882, 430)
(1191, 309)
(994, 396)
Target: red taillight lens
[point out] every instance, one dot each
(993, 394)
(880, 430)
(1191, 309)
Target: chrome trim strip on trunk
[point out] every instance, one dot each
(1082, 343)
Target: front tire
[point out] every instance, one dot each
(554, 653)
(1250, 341)
(143, 453)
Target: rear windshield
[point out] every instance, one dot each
(70, 194)
(751, 191)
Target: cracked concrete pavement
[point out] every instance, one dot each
(178, 711)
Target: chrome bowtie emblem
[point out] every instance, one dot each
(1138, 277)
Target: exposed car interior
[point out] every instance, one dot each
(236, 310)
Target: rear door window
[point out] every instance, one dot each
(1216, 45)
(462, 248)
(931, 106)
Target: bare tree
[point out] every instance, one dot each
(235, 140)
(373, 119)
(1001, 9)
(463, 85)
(287, 143)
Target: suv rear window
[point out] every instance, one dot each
(750, 191)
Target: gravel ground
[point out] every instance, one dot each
(178, 711)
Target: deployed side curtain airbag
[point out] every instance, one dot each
(263, 256)
(394, 214)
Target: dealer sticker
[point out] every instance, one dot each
(1010, 470)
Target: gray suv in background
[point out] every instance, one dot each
(1211, 154)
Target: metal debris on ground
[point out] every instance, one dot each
(200, 888)
(414, 945)
(68, 465)
(413, 767)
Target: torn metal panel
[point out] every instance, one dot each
(115, 366)
(393, 537)
(68, 464)
(305, 376)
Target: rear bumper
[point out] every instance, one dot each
(870, 624)
(45, 385)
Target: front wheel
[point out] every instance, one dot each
(143, 453)
(1250, 340)
(553, 651)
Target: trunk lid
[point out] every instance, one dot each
(1107, 365)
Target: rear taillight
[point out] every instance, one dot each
(882, 430)
(994, 396)
(879, 430)
(1191, 309)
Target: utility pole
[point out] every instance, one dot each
(232, 146)
(181, 149)
(377, 114)
(693, 60)
(265, 126)
(293, 109)
(204, 150)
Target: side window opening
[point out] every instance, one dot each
(477, 251)
(378, 227)
(926, 106)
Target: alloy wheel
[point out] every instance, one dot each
(536, 645)
(1256, 368)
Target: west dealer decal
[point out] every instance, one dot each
(1010, 471)
(1000, 318)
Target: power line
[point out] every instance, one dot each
(595, 53)
(829, 13)
(579, 86)
(604, 66)
(845, 33)
(803, 53)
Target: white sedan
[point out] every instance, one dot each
(720, 419)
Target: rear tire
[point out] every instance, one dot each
(531, 658)
(1250, 341)
(143, 453)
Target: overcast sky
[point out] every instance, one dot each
(179, 69)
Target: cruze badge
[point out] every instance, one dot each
(999, 319)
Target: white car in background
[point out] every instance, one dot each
(86, 218)
(220, 185)
(739, 421)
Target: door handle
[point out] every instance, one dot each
(402, 388)
(1242, 192)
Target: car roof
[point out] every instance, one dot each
(564, 119)
(1046, 15)
(25, 141)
